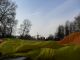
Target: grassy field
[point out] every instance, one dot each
(40, 50)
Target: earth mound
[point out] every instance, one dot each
(73, 38)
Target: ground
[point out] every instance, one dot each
(40, 50)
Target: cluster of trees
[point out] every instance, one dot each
(64, 30)
(8, 22)
(68, 28)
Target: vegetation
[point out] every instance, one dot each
(38, 50)
(7, 18)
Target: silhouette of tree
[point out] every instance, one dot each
(60, 33)
(25, 27)
(67, 28)
(7, 16)
(27, 37)
(50, 37)
(77, 23)
(72, 27)
(42, 38)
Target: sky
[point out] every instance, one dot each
(46, 15)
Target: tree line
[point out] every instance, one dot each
(65, 30)
(8, 24)
(68, 28)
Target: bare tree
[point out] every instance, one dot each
(25, 27)
(7, 15)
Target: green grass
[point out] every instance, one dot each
(46, 54)
(40, 50)
(12, 46)
(68, 53)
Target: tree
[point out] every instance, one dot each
(60, 33)
(11, 27)
(77, 23)
(7, 16)
(67, 28)
(25, 27)
(72, 27)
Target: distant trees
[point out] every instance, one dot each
(50, 37)
(60, 32)
(7, 17)
(69, 27)
(25, 28)
(72, 27)
(64, 30)
(77, 23)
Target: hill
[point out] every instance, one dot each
(73, 38)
